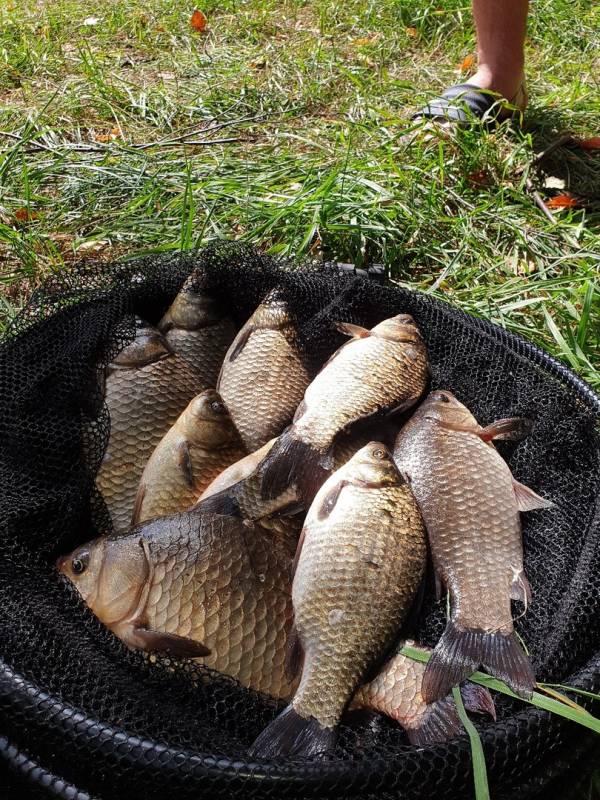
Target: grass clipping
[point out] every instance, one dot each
(551, 700)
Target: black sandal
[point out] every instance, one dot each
(466, 103)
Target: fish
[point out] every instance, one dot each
(396, 692)
(379, 371)
(265, 373)
(147, 387)
(197, 328)
(358, 566)
(195, 586)
(471, 504)
(200, 445)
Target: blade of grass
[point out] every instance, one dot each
(560, 708)
(482, 791)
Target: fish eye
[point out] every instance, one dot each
(80, 563)
(379, 453)
(443, 397)
(218, 407)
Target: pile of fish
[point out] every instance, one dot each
(263, 526)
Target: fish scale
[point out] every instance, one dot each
(204, 350)
(264, 354)
(225, 604)
(345, 571)
(143, 404)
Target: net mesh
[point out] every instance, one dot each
(114, 723)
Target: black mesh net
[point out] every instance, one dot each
(84, 716)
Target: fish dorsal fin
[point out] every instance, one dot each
(355, 331)
(527, 499)
(509, 428)
(184, 462)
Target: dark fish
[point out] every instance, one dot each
(470, 503)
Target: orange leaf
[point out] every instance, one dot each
(563, 201)
(467, 63)
(102, 137)
(590, 144)
(412, 32)
(198, 20)
(115, 132)
(24, 215)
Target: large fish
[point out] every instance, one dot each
(359, 564)
(195, 585)
(200, 445)
(396, 692)
(189, 584)
(147, 387)
(264, 374)
(379, 371)
(470, 503)
(198, 329)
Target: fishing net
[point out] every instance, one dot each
(82, 716)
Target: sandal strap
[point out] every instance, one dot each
(460, 103)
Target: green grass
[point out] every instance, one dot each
(307, 106)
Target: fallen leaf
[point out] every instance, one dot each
(361, 41)
(102, 137)
(160, 29)
(467, 63)
(563, 201)
(24, 214)
(198, 20)
(90, 21)
(412, 32)
(115, 132)
(590, 144)
(480, 178)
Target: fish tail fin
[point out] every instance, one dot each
(292, 734)
(460, 652)
(291, 461)
(478, 699)
(440, 724)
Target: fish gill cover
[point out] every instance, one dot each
(114, 723)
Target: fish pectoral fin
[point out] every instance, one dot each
(331, 499)
(184, 462)
(139, 502)
(520, 589)
(511, 429)
(294, 654)
(355, 331)
(159, 641)
(527, 499)
(240, 342)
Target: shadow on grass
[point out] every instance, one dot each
(577, 168)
